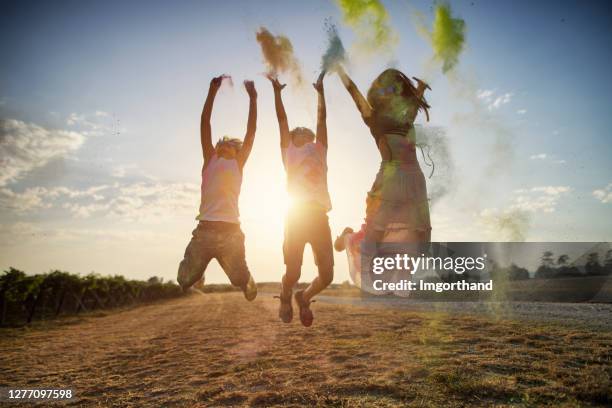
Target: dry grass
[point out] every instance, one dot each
(219, 350)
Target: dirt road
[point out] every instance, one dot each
(596, 316)
(219, 350)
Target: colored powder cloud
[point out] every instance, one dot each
(437, 160)
(512, 225)
(278, 55)
(370, 21)
(335, 53)
(447, 37)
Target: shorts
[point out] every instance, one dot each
(308, 225)
(221, 241)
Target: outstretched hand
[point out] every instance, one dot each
(250, 88)
(215, 83)
(275, 83)
(319, 84)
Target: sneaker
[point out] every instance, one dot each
(250, 290)
(285, 311)
(306, 316)
(339, 244)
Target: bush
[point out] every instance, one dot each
(24, 298)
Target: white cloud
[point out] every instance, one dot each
(547, 157)
(85, 210)
(512, 223)
(26, 146)
(539, 199)
(521, 111)
(120, 171)
(150, 200)
(491, 100)
(94, 124)
(74, 119)
(604, 194)
(501, 100)
(36, 198)
(485, 94)
(14, 234)
(26, 201)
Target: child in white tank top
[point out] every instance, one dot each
(218, 234)
(305, 160)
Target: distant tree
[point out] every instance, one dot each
(547, 259)
(517, 273)
(154, 280)
(8, 282)
(546, 269)
(565, 271)
(592, 266)
(568, 272)
(562, 260)
(608, 263)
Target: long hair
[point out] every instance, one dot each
(394, 78)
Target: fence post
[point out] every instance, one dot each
(3, 315)
(60, 303)
(79, 300)
(33, 309)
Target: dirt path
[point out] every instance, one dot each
(596, 316)
(219, 350)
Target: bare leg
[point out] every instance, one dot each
(326, 275)
(290, 278)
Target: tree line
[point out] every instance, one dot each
(561, 268)
(24, 298)
(558, 267)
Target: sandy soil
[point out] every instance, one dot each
(219, 350)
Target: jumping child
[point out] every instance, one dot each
(397, 207)
(304, 156)
(218, 234)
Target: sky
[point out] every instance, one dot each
(100, 104)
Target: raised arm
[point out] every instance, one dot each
(283, 124)
(208, 149)
(247, 144)
(321, 112)
(362, 103)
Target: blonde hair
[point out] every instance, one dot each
(302, 130)
(232, 141)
